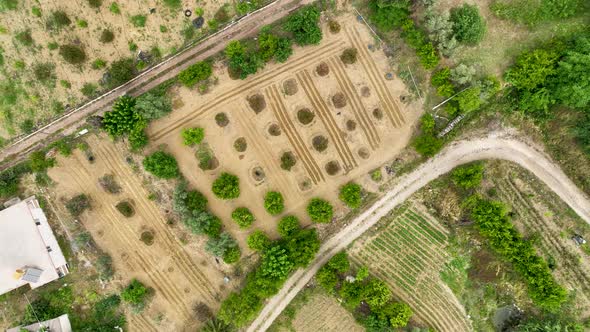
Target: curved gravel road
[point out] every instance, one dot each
(495, 146)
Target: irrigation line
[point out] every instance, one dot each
(446, 100)
(416, 86)
(140, 76)
(367, 24)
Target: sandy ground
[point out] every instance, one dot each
(373, 142)
(495, 145)
(181, 275)
(323, 313)
(87, 37)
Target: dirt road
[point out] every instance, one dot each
(495, 146)
(68, 123)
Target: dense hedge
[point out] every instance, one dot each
(274, 202)
(226, 186)
(493, 223)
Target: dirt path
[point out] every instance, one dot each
(69, 123)
(495, 146)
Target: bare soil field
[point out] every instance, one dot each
(263, 111)
(323, 313)
(539, 213)
(164, 28)
(182, 276)
(408, 252)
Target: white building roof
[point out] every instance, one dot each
(26, 241)
(59, 324)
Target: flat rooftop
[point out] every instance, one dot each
(27, 241)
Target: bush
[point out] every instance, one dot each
(135, 294)
(334, 26)
(98, 64)
(89, 90)
(468, 26)
(78, 204)
(258, 241)
(125, 208)
(226, 186)
(72, 54)
(153, 106)
(350, 194)
(193, 136)
(138, 21)
(137, 136)
(203, 222)
(107, 36)
(173, 4)
(440, 30)
(196, 73)
(468, 176)
(58, 20)
(288, 161)
(44, 71)
(108, 183)
(469, 100)
(162, 165)
(25, 37)
(39, 163)
(95, 3)
(104, 267)
(232, 255)
(10, 179)
(120, 72)
(349, 55)
(274, 203)
(8, 5)
(463, 74)
(218, 246)
(243, 217)
(288, 226)
(122, 119)
(427, 145)
(304, 26)
(320, 210)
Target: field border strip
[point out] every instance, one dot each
(357, 106)
(175, 249)
(331, 48)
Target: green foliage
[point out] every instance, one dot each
(349, 55)
(186, 202)
(162, 165)
(288, 161)
(428, 57)
(319, 210)
(274, 203)
(89, 89)
(107, 36)
(135, 294)
(304, 26)
(10, 179)
(468, 176)
(572, 82)
(469, 27)
(427, 123)
(25, 38)
(82, 23)
(125, 208)
(219, 245)
(463, 75)
(39, 163)
(58, 20)
(350, 194)
(241, 62)
(493, 223)
(240, 308)
(138, 21)
(8, 5)
(232, 255)
(226, 186)
(192, 136)
(243, 217)
(104, 267)
(376, 293)
(276, 263)
(581, 132)
(362, 273)
(44, 71)
(532, 69)
(203, 222)
(258, 241)
(440, 29)
(339, 263)
(288, 226)
(427, 145)
(98, 64)
(78, 204)
(73, 54)
(153, 106)
(123, 118)
(537, 11)
(397, 314)
(95, 3)
(173, 4)
(469, 100)
(194, 74)
(327, 278)
(121, 71)
(114, 8)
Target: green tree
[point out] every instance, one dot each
(203, 222)
(274, 203)
(135, 293)
(218, 246)
(226, 186)
(162, 165)
(152, 106)
(427, 145)
(303, 246)
(122, 118)
(72, 54)
(468, 25)
(572, 82)
(239, 308)
(78, 204)
(398, 314)
(288, 226)
(320, 210)
(196, 73)
(468, 176)
(350, 194)
(327, 278)
(193, 136)
(276, 263)
(532, 69)
(376, 293)
(339, 262)
(121, 71)
(304, 26)
(38, 162)
(243, 217)
(258, 241)
(469, 100)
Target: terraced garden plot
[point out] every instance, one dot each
(324, 313)
(409, 254)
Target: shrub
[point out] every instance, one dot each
(243, 217)
(258, 241)
(274, 203)
(218, 246)
(173, 4)
(25, 37)
(203, 222)
(221, 119)
(10, 179)
(137, 136)
(463, 74)
(334, 26)
(440, 30)
(193, 136)
(162, 165)
(188, 201)
(121, 71)
(350, 194)
(95, 3)
(39, 163)
(138, 21)
(72, 54)
(107, 36)
(288, 226)
(89, 89)
(288, 161)
(104, 267)
(125, 208)
(153, 106)
(468, 26)
(78, 204)
(232, 255)
(8, 5)
(58, 20)
(469, 100)
(135, 294)
(82, 23)
(108, 183)
(44, 71)
(468, 176)
(98, 64)
(122, 119)
(427, 145)
(200, 71)
(320, 210)
(304, 26)
(349, 55)
(427, 123)
(226, 186)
